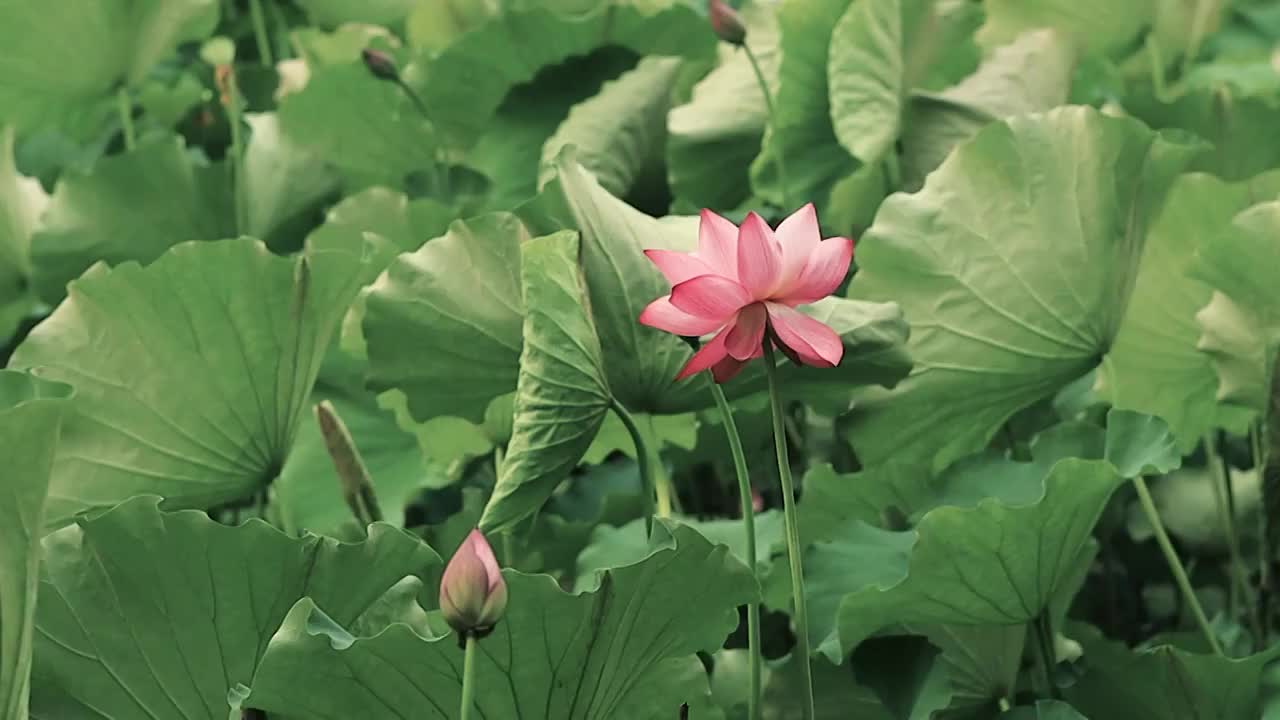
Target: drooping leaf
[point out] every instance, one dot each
(133, 206)
(359, 123)
(1241, 324)
(465, 83)
(31, 412)
(621, 129)
(868, 74)
(712, 139)
(198, 606)
(443, 323)
(1031, 74)
(981, 663)
(561, 393)
(191, 373)
(803, 135)
(1164, 682)
(617, 650)
(1155, 350)
(22, 201)
(1014, 264)
(62, 59)
(1139, 444)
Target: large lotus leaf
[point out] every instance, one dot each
(712, 138)
(1164, 682)
(1031, 74)
(803, 134)
(996, 563)
(641, 362)
(31, 412)
(1045, 710)
(561, 393)
(282, 180)
(144, 613)
(617, 650)
(191, 373)
(443, 324)
(1154, 366)
(1094, 25)
(132, 206)
(60, 58)
(1014, 265)
(22, 201)
(359, 123)
(464, 84)
(619, 131)
(1241, 324)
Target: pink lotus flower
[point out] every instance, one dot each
(473, 595)
(744, 281)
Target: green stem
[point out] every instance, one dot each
(260, 33)
(234, 112)
(749, 527)
(773, 123)
(125, 106)
(441, 168)
(1226, 515)
(643, 460)
(668, 498)
(792, 530)
(468, 679)
(1199, 22)
(1157, 68)
(1175, 565)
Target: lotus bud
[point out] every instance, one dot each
(727, 23)
(380, 64)
(473, 595)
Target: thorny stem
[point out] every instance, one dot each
(792, 530)
(773, 123)
(1175, 565)
(749, 527)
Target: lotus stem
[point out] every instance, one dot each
(468, 678)
(773, 123)
(749, 527)
(125, 107)
(792, 530)
(648, 486)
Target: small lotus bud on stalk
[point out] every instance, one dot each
(380, 64)
(357, 486)
(473, 595)
(727, 23)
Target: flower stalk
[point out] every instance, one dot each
(648, 483)
(124, 105)
(468, 678)
(749, 527)
(792, 529)
(1175, 564)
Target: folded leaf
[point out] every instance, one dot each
(561, 393)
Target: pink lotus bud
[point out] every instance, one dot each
(473, 595)
(727, 23)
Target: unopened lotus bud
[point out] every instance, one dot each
(473, 595)
(380, 64)
(727, 23)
